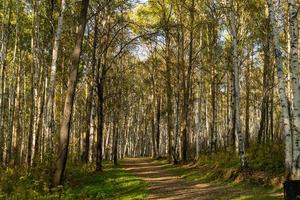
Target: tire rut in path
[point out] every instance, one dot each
(164, 185)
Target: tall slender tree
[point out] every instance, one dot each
(49, 115)
(70, 94)
(236, 84)
(287, 131)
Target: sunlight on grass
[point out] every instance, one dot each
(114, 183)
(83, 183)
(210, 174)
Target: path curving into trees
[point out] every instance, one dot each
(166, 186)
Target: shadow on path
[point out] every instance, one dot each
(163, 185)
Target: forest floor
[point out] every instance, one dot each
(141, 178)
(167, 182)
(81, 183)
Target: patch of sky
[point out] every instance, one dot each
(140, 51)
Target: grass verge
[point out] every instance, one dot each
(81, 182)
(253, 184)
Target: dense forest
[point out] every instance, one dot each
(86, 84)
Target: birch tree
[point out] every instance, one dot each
(287, 131)
(49, 115)
(293, 24)
(236, 84)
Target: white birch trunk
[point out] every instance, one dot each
(236, 95)
(293, 13)
(92, 128)
(281, 88)
(51, 87)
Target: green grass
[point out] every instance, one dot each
(81, 183)
(213, 172)
(265, 165)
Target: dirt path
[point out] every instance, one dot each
(166, 186)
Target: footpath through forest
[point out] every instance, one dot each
(167, 186)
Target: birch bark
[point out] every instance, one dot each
(51, 88)
(293, 25)
(236, 95)
(281, 88)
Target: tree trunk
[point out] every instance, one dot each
(34, 83)
(70, 94)
(282, 90)
(236, 70)
(37, 152)
(49, 118)
(266, 77)
(247, 111)
(169, 94)
(293, 22)
(3, 64)
(154, 153)
(90, 96)
(187, 87)
(115, 139)
(100, 126)
(157, 142)
(213, 138)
